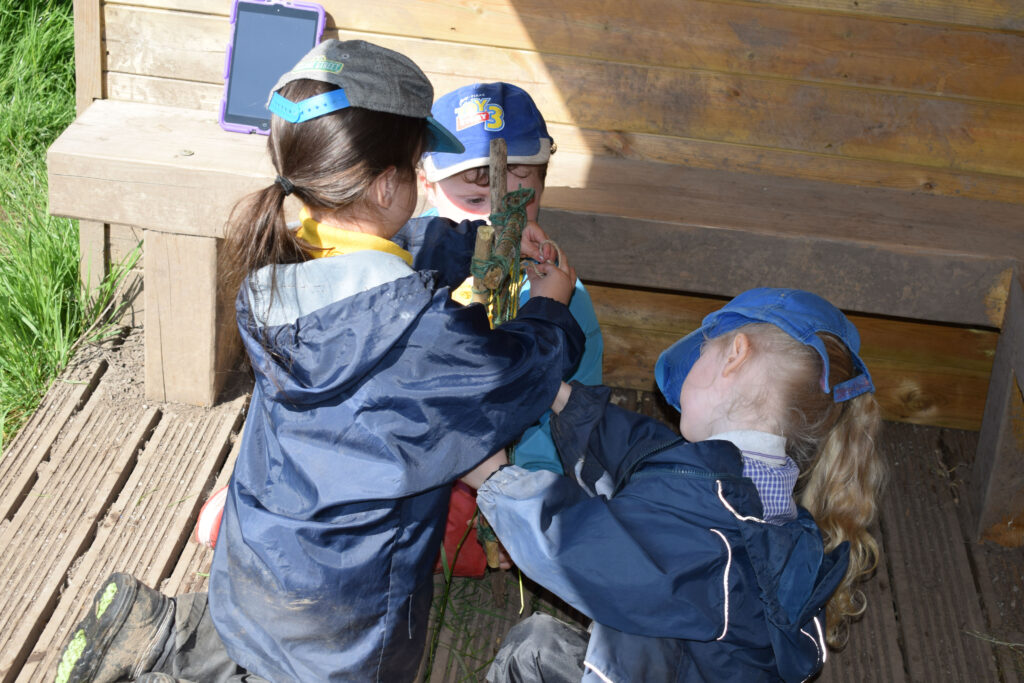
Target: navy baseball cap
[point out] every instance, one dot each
(367, 76)
(480, 112)
(800, 314)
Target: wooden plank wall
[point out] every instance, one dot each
(926, 96)
(919, 96)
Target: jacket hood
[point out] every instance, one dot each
(796, 578)
(289, 318)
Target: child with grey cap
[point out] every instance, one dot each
(373, 393)
(691, 553)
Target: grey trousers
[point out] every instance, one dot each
(540, 649)
(194, 653)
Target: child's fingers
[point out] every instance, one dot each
(533, 238)
(551, 252)
(539, 271)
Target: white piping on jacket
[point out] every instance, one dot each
(597, 672)
(730, 508)
(819, 642)
(725, 583)
(822, 647)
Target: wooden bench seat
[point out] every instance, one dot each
(634, 223)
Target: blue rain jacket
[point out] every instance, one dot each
(373, 392)
(660, 542)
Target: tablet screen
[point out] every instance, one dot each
(268, 40)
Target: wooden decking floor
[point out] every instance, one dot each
(100, 480)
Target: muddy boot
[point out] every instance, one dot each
(122, 636)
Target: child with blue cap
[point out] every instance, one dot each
(457, 186)
(731, 552)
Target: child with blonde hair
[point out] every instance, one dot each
(691, 554)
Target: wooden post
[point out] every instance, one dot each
(997, 476)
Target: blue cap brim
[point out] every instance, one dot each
(440, 139)
(674, 365)
(802, 315)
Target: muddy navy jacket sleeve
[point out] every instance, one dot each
(665, 581)
(643, 559)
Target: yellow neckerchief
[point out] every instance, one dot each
(336, 241)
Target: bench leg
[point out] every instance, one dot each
(997, 478)
(188, 340)
(93, 244)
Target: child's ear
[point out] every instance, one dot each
(429, 189)
(737, 353)
(384, 187)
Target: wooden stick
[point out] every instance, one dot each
(482, 252)
(496, 172)
(498, 179)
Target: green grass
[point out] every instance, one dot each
(43, 308)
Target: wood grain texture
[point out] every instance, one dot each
(895, 278)
(933, 564)
(663, 149)
(997, 478)
(181, 318)
(997, 15)
(35, 442)
(162, 495)
(768, 39)
(774, 112)
(88, 53)
(83, 476)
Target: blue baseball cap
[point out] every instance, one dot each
(480, 112)
(800, 314)
(367, 76)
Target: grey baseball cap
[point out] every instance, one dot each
(368, 76)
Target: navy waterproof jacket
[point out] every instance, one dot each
(373, 392)
(661, 543)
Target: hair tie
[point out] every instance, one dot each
(285, 184)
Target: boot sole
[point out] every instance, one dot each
(110, 607)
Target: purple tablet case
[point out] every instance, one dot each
(268, 37)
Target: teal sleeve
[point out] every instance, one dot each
(535, 450)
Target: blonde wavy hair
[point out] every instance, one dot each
(834, 444)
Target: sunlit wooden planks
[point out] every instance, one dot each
(861, 114)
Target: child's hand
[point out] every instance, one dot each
(533, 243)
(553, 280)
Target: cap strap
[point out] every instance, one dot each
(851, 388)
(309, 108)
